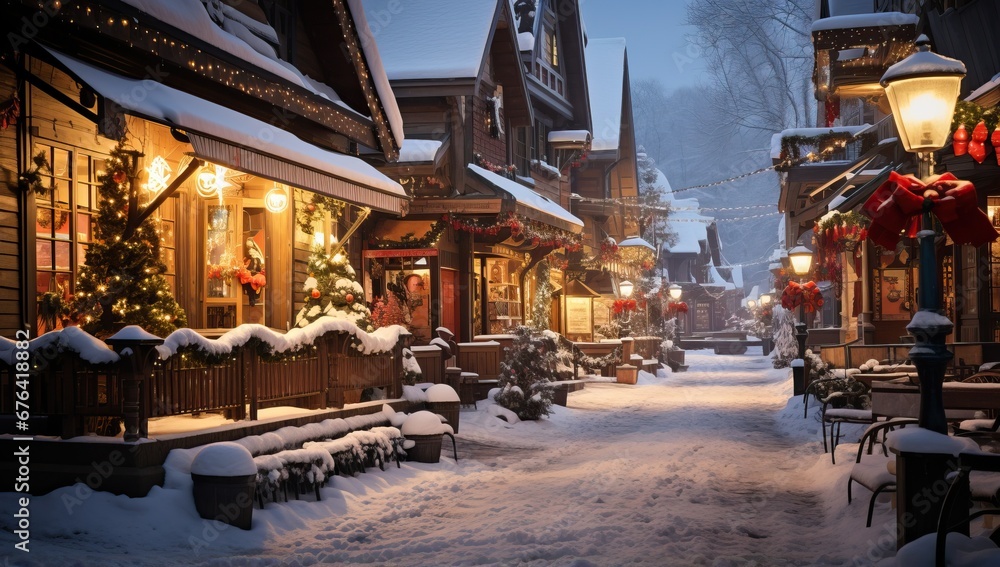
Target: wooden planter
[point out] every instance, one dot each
(228, 499)
(627, 374)
(450, 411)
(427, 448)
(676, 356)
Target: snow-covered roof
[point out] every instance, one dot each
(377, 70)
(985, 88)
(811, 132)
(664, 185)
(418, 150)
(526, 196)
(636, 241)
(690, 235)
(923, 62)
(525, 41)
(605, 82)
(737, 276)
(437, 39)
(876, 20)
(170, 106)
(715, 279)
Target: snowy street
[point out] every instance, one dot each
(709, 467)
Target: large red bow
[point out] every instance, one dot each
(898, 203)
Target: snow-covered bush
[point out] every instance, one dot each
(411, 369)
(786, 348)
(526, 373)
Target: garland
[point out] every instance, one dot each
(835, 234)
(318, 205)
(9, 111)
(538, 233)
(508, 171)
(592, 362)
(970, 113)
(428, 240)
(32, 179)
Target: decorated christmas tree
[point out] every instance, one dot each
(786, 348)
(332, 290)
(122, 282)
(525, 375)
(542, 306)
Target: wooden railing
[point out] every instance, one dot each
(968, 356)
(74, 397)
(431, 361)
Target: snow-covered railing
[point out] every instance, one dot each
(78, 383)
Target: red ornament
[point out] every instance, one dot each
(960, 140)
(995, 140)
(311, 208)
(349, 297)
(315, 293)
(977, 149)
(118, 176)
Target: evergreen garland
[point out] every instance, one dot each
(526, 374)
(122, 282)
(317, 205)
(541, 308)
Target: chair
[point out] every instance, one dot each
(967, 464)
(837, 416)
(873, 471)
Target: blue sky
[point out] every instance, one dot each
(654, 32)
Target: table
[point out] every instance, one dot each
(896, 398)
(869, 377)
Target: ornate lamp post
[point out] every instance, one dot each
(800, 258)
(675, 292)
(625, 289)
(922, 91)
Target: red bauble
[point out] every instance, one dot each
(315, 293)
(995, 140)
(118, 176)
(349, 297)
(311, 208)
(960, 140)
(977, 149)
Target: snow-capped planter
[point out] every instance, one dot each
(627, 374)
(225, 479)
(442, 399)
(426, 430)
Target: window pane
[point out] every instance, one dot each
(81, 254)
(61, 224)
(62, 255)
(60, 163)
(42, 282)
(97, 170)
(168, 258)
(82, 168)
(167, 233)
(64, 285)
(83, 227)
(43, 222)
(43, 253)
(82, 195)
(61, 194)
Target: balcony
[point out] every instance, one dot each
(852, 52)
(549, 77)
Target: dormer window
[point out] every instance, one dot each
(551, 48)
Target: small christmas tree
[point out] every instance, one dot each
(525, 375)
(332, 290)
(786, 348)
(542, 306)
(122, 282)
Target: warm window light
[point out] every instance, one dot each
(276, 199)
(801, 259)
(675, 292)
(922, 91)
(319, 239)
(765, 299)
(626, 288)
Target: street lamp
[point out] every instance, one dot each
(765, 299)
(675, 292)
(625, 289)
(800, 258)
(751, 304)
(922, 91)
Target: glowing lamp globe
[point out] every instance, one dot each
(765, 299)
(800, 258)
(675, 292)
(751, 303)
(922, 91)
(626, 288)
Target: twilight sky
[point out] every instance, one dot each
(654, 32)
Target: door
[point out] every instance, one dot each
(234, 277)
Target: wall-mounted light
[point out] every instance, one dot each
(212, 183)
(158, 174)
(276, 199)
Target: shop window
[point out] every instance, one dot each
(993, 210)
(63, 229)
(503, 295)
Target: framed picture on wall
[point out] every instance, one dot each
(893, 295)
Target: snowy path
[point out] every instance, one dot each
(706, 467)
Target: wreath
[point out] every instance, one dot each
(44, 218)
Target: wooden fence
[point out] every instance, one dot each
(70, 396)
(968, 356)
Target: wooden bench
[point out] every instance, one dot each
(483, 358)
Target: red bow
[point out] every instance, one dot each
(898, 203)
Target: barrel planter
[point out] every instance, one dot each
(442, 399)
(426, 448)
(627, 374)
(225, 481)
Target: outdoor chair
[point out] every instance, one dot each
(835, 417)
(876, 472)
(968, 463)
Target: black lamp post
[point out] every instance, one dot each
(922, 91)
(676, 291)
(800, 258)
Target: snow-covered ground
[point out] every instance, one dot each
(715, 466)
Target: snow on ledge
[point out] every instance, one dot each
(876, 20)
(381, 340)
(74, 339)
(920, 440)
(569, 136)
